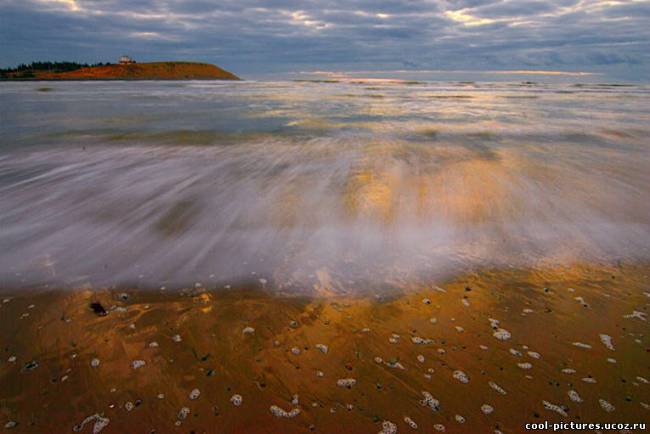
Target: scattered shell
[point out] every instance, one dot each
(581, 345)
(459, 329)
(439, 427)
(295, 350)
(98, 426)
(11, 424)
(323, 348)
(346, 382)
(430, 401)
(410, 422)
(394, 339)
(461, 376)
(279, 412)
(487, 409)
(573, 396)
(379, 360)
(128, 406)
(607, 341)
(459, 418)
(610, 360)
(555, 408)
(534, 355)
(420, 358)
(606, 406)
(136, 364)
(465, 302)
(388, 427)
(494, 323)
(642, 380)
(94, 362)
(153, 344)
(426, 301)
(636, 314)
(320, 374)
(515, 352)
(496, 387)
(568, 371)
(176, 338)
(194, 394)
(420, 341)
(236, 400)
(525, 365)
(589, 380)
(11, 359)
(395, 364)
(433, 320)
(248, 330)
(502, 334)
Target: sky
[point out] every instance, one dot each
(256, 38)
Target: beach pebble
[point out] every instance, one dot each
(606, 406)
(128, 406)
(574, 396)
(496, 387)
(279, 412)
(461, 376)
(11, 359)
(533, 354)
(346, 382)
(183, 413)
(607, 341)
(426, 301)
(388, 427)
(525, 365)
(94, 362)
(430, 401)
(515, 352)
(136, 364)
(11, 424)
(236, 400)
(465, 302)
(248, 330)
(320, 374)
(322, 347)
(555, 408)
(420, 358)
(611, 360)
(433, 320)
(420, 341)
(502, 334)
(568, 371)
(439, 427)
(459, 329)
(153, 344)
(394, 339)
(379, 360)
(589, 380)
(410, 422)
(176, 338)
(460, 419)
(487, 409)
(642, 380)
(194, 394)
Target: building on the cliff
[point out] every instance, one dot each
(126, 60)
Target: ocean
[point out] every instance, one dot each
(305, 186)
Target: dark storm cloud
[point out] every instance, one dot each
(254, 36)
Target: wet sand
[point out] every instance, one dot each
(508, 339)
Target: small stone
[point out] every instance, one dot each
(248, 330)
(346, 382)
(194, 394)
(295, 350)
(502, 334)
(323, 348)
(430, 401)
(236, 400)
(574, 396)
(176, 338)
(555, 408)
(137, 364)
(410, 422)
(183, 413)
(461, 376)
(487, 409)
(279, 412)
(607, 341)
(11, 424)
(606, 406)
(94, 362)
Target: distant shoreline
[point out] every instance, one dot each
(156, 71)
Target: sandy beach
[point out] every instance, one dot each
(487, 351)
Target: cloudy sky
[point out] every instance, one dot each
(258, 37)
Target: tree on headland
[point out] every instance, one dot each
(27, 70)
